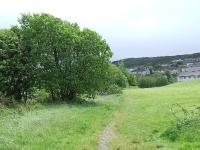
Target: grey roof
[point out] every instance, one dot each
(192, 71)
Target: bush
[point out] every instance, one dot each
(116, 81)
(40, 96)
(161, 81)
(152, 81)
(130, 76)
(116, 77)
(6, 101)
(131, 79)
(146, 82)
(121, 80)
(186, 126)
(112, 89)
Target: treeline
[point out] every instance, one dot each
(46, 53)
(136, 62)
(156, 80)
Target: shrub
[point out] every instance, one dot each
(116, 81)
(121, 80)
(146, 82)
(112, 89)
(161, 81)
(117, 77)
(131, 79)
(5, 100)
(130, 76)
(152, 81)
(40, 96)
(186, 126)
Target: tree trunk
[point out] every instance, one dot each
(70, 96)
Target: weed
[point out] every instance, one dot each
(186, 125)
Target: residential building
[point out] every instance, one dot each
(189, 74)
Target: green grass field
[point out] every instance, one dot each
(63, 126)
(140, 117)
(145, 115)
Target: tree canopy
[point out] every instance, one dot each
(47, 52)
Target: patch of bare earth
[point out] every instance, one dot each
(106, 137)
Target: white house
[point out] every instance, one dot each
(189, 74)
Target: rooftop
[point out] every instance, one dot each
(192, 71)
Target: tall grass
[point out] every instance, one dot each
(61, 126)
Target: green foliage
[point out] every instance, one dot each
(170, 77)
(111, 89)
(117, 77)
(152, 81)
(71, 62)
(40, 96)
(156, 66)
(146, 82)
(131, 79)
(16, 74)
(130, 76)
(161, 81)
(115, 81)
(48, 53)
(186, 126)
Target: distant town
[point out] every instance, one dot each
(183, 67)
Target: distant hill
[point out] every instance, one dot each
(146, 61)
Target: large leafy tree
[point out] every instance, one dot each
(68, 61)
(16, 78)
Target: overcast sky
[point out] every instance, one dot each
(133, 28)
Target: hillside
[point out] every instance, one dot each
(135, 62)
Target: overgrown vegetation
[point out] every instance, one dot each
(130, 76)
(156, 80)
(118, 79)
(152, 81)
(186, 125)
